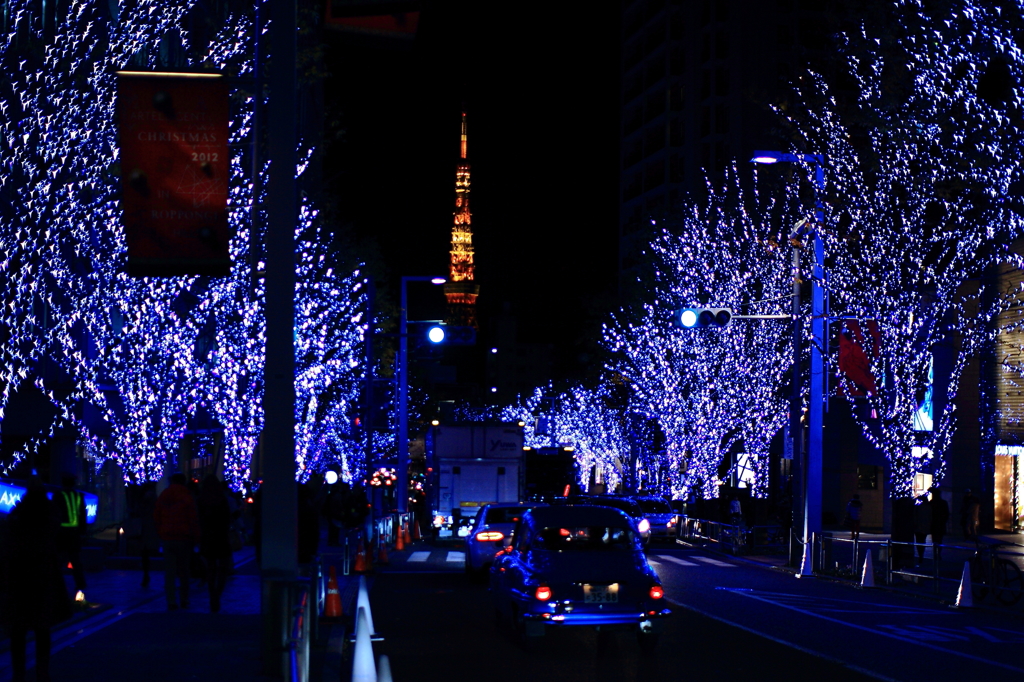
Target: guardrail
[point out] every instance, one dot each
(735, 538)
(993, 570)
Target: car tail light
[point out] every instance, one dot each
(490, 536)
(657, 592)
(543, 593)
(644, 525)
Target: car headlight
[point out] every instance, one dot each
(644, 525)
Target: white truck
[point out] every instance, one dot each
(472, 465)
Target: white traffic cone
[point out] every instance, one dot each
(384, 669)
(363, 602)
(363, 669)
(806, 566)
(964, 598)
(867, 577)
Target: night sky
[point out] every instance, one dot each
(541, 88)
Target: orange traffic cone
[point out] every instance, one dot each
(332, 605)
(405, 533)
(363, 561)
(399, 541)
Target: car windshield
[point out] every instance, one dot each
(504, 514)
(654, 506)
(585, 538)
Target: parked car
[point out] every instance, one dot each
(659, 514)
(494, 523)
(577, 565)
(624, 504)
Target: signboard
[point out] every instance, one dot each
(11, 494)
(173, 131)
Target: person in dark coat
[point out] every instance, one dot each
(177, 522)
(70, 508)
(38, 598)
(940, 519)
(215, 542)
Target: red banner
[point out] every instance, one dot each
(858, 346)
(174, 173)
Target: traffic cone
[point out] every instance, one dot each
(867, 577)
(384, 669)
(405, 533)
(399, 541)
(363, 669)
(332, 605)
(363, 561)
(382, 554)
(964, 598)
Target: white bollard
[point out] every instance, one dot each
(384, 669)
(867, 577)
(964, 598)
(363, 669)
(363, 602)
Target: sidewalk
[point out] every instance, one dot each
(127, 633)
(916, 579)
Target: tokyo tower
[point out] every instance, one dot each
(460, 290)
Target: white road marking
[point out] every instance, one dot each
(418, 556)
(456, 556)
(714, 562)
(915, 638)
(675, 560)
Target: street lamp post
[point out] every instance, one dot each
(403, 392)
(812, 469)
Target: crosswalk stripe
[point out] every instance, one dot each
(676, 560)
(418, 556)
(714, 562)
(456, 556)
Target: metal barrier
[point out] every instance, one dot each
(734, 538)
(299, 633)
(925, 566)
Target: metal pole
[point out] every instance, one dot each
(819, 316)
(795, 428)
(403, 402)
(278, 493)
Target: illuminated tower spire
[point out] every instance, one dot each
(460, 290)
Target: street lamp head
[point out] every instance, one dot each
(760, 157)
(437, 280)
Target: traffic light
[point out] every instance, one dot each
(452, 335)
(688, 318)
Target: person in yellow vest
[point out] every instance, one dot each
(70, 506)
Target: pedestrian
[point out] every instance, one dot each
(940, 518)
(853, 513)
(922, 524)
(177, 522)
(38, 598)
(215, 537)
(735, 510)
(71, 513)
(969, 511)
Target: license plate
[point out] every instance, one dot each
(601, 594)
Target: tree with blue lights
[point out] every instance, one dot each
(714, 392)
(128, 362)
(922, 164)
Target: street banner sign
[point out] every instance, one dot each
(173, 132)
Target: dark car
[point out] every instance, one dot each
(493, 524)
(624, 504)
(577, 565)
(659, 515)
